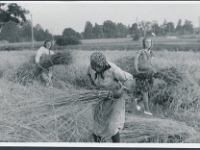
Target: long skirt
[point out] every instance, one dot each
(109, 117)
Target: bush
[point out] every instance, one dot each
(136, 37)
(62, 41)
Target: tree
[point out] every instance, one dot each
(179, 28)
(26, 31)
(47, 34)
(10, 32)
(109, 29)
(164, 27)
(122, 30)
(38, 33)
(62, 41)
(98, 31)
(88, 31)
(69, 37)
(170, 28)
(69, 32)
(156, 28)
(188, 27)
(154, 23)
(134, 31)
(146, 27)
(13, 12)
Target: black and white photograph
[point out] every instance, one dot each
(100, 72)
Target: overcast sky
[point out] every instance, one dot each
(60, 15)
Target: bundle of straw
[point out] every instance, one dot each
(170, 75)
(27, 72)
(30, 70)
(47, 61)
(144, 75)
(89, 97)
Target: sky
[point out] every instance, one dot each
(58, 15)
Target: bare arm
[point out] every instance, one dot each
(91, 83)
(136, 61)
(52, 52)
(152, 66)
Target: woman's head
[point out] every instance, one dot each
(147, 43)
(97, 61)
(48, 44)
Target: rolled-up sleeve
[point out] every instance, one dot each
(119, 74)
(124, 77)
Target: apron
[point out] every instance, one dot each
(109, 116)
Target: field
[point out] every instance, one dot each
(63, 113)
(160, 43)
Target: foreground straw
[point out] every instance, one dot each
(67, 117)
(157, 130)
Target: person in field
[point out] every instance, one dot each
(109, 114)
(46, 75)
(143, 64)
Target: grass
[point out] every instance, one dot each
(34, 113)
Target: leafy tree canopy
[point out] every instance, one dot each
(12, 12)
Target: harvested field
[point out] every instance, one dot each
(35, 113)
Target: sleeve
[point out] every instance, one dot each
(152, 66)
(38, 55)
(125, 79)
(119, 74)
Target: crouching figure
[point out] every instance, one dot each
(109, 114)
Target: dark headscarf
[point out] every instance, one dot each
(97, 59)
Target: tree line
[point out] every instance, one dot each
(13, 32)
(14, 27)
(111, 29)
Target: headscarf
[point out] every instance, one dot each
(97, 59)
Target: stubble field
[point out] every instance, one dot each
(35, 113)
